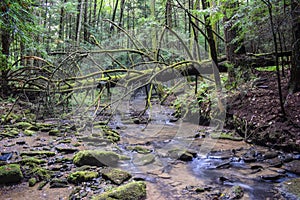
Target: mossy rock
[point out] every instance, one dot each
(28, 132)
(130, 191)
(96, 158)
(32, 181)
(55, 132)
(111, 135)
(82, 176)
(226, 136)
(58, 183)
(37, 153)
(23, 125)
(40, 173)
(32, 160)
(144, 159)
(291, 188)
(10, 174)
(116, 176)
(139, 149)
(183, 155)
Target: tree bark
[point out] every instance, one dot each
(294, 84)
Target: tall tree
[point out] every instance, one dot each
(294, 84)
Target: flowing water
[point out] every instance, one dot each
(209, 171)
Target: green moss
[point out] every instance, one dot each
(32, 160)
(10, 174)
(139, 149)
(81, 176)
(54, 132)
(23, 125)
(96, 158)
(32, 182)
(111, 135)
(28, 132)
(130, 191)
(226, 136)
(117, 176)
(40, 173)
(37, 153)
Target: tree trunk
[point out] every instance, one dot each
(212, 46)
(85, 21)
(294, 84)
(233, 49)
(4, 67)
(79, 20)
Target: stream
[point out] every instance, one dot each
(177, 159)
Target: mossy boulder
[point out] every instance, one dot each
(130, 191)
(184, 155)
(116, 176)
(10, 174)
(32, 181)
(82, 176)
(96, 158)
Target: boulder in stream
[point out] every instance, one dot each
(96, 158)
(131, 191)
(10, 174)
(116, 176)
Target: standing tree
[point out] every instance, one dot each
(294, 84)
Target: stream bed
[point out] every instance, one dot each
(176, 158)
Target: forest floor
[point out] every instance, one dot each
(256, 113)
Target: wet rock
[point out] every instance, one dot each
(236, 192)
(38, 153)
(28, 132)
(270, 155)
(220, 155)
(293, 166)
(6, 156)
(130, 191)
(271, 175)
(39, 173)
(32, 182)
(23, 142)
(31, 160)
(275, 162)
(66, 149)
(82, 176)
(291, 188)
(58, 183)
(287, 157)
(144, 159)
(116, 176)
(184, 155)
(23, 125)
(96, 158)
(10, 174)
(139, 149)
(248, 158)
(54, 132)
(42, 184)
(226, 136)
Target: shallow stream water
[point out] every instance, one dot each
(214, 167)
